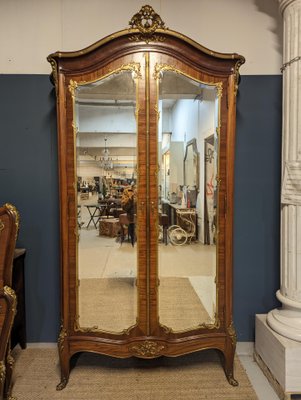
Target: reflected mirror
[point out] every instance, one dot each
(107, 187)
(188, 160)
(191, 166)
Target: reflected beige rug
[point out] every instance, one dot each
(110, 303)
(179, 305)
(198, 376)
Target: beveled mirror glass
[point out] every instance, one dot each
(189, 119)
(106, 165)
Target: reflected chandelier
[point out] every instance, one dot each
(106, 162)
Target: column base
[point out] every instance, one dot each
(279, 358)
(286, 320)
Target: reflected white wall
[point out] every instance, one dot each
(106, 119)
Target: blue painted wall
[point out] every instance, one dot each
(257, 200)
(28, 179)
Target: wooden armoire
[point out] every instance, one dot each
(135, 111)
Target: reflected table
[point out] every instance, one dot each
(95, 212)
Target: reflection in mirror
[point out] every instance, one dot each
(188, 158)
(191, 166)
(107, 187)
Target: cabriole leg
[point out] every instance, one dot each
(229, 354)
(64, 359)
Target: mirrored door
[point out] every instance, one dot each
(105, 118)
(189, 111)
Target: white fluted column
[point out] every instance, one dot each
(287, 320)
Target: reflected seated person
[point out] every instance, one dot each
(129, 203)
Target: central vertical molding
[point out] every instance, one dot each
(147, 108)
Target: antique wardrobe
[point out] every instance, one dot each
(149, 108)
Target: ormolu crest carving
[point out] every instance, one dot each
(147, 21)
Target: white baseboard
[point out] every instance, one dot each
(41, 345)
(245, 348)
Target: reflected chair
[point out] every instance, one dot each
(163, 221)
(185, 230)
(117, 212)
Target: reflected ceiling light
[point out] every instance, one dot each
(106, 162)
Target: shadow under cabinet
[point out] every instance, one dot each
(18, 333)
